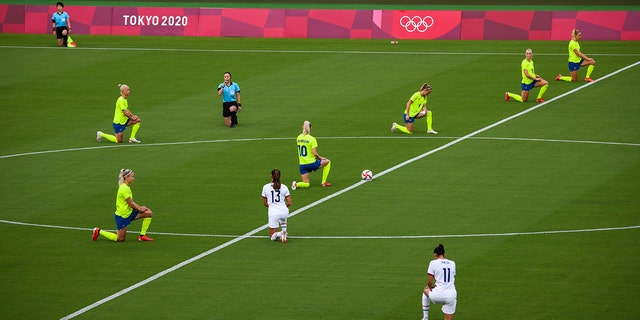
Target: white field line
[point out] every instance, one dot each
(289, 138)
(253, 232)
(471, 235)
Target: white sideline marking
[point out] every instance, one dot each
(251, 233)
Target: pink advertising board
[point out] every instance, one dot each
(327, 23)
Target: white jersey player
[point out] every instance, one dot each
(440, 287)
(277, 198)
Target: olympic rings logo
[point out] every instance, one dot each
(416, 23)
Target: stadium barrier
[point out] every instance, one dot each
(327, 23)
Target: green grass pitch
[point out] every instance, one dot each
(540, 212)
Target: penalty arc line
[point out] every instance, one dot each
(178, 143)
(315, 203)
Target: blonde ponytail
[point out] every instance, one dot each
(123, 174)
(122, 87)
(574, 34)
(306, 127)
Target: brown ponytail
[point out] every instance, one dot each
(275, 177)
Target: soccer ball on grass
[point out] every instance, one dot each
(367, 175)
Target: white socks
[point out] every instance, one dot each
(425, 307)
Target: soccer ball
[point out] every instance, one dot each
(367, 175)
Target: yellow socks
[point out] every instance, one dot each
(403, 129)
(514, 96)
(568, 78)
(589, 70)
(564, 78)
(429, 120)
(109, 235)
(543, 90)
(109, 137)
(145, 225)
(303, 184)
(325, 172)
(134, 130)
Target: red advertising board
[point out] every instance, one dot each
(426, 24)
(325, 23)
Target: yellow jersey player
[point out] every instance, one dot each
(529, 80)
(416, 108)
(309, 158)
(122, 118)
(126, 211)
(577, 59)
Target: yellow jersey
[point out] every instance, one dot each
(306, 143)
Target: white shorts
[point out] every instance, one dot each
(276, 216)
(444, 298)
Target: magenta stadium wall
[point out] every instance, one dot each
(326, 23)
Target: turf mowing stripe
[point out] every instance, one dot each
(320, 51)
(162, 273)
(396, 167)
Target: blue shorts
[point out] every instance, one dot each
(575, 66)
(120, 127)
(124, 222)
(411, 119)
(306, 168)
(528, 87)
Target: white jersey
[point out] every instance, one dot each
(276, 198)
(444, 273)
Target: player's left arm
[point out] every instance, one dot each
(431, 281)
(238, 100)
(316, 155)
(529, 75)
(130, 115)
(288, 200)
(581, 55)
(141, 209)
(430, 284)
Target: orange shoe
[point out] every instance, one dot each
(558, 77)
(539, 100)
(284, 236)
(326, 184)
(589, 80)
(506, 96)
(96, 233)
(144, 238)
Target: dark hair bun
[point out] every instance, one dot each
(439, 250)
